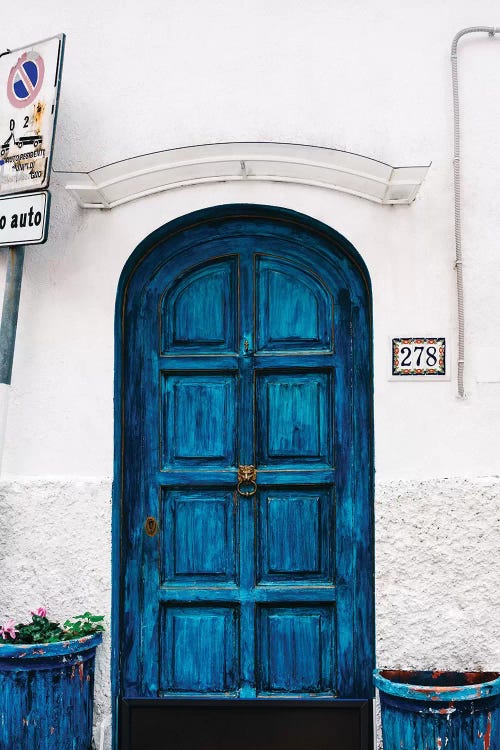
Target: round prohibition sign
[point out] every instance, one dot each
(25, 79)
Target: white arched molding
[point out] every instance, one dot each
(126, 180)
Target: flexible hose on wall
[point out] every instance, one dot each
(491, 30)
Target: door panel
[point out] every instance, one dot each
(295, 535)
(294, 418)
(199, 419)
(199, 650)
(296, 646)
(199, 310)
(199, 537)
(293, 308)
(230, 361)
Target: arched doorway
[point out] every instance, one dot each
(244, 481)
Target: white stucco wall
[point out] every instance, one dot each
(372, 78)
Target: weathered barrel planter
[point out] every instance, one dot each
(46, 695)
(439, 710)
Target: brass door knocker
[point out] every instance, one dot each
(247, 475)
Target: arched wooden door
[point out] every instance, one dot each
(244, 484)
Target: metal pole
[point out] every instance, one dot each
(8, 328)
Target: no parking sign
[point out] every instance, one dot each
(25, 79)
(29, 91)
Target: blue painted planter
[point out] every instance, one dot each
(46, 695)
(439, 710)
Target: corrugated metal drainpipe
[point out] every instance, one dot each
(8, 329)
(491, 30)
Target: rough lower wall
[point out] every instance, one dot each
(437, 566)
(437, 570)
(437, 573)
(55, 550)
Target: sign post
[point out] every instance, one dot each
(8, 328)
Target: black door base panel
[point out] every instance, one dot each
(246, 725)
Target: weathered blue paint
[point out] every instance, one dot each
(438, 710)
(244, 337)
(46, 695)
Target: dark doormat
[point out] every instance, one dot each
(246, 725)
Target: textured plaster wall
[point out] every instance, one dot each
(437, 573)
(437, 566)
(55, 550)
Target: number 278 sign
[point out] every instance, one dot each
(418, 357)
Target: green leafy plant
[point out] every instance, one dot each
(81, 625)
(42, 630)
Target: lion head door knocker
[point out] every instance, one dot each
(247, 480)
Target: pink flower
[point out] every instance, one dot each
(8, 629)
(41, 612)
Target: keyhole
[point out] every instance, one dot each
(151, 526)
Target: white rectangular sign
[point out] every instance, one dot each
(29, 93)
(24, 219)
(419, 357)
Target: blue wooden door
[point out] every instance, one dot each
(245, 343)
